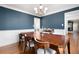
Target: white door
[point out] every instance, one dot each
(36, 23)
(75, 26)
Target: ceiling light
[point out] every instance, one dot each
(41, 10)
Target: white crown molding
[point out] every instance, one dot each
(60, 10)
(13, 8)
(16, 9)
(50, 13)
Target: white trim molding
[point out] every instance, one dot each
(59, 31)
(16, 9)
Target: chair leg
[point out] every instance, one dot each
(63, 51)
(44, 51)
(35, 50)
(35, 47)
(19, 42)
(57, 50)
(24, 47)
(20, 45)
(29, 47)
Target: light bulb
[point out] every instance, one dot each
(41, 7)
(44, 11)
(36, 11)
(35, 8)
(46, 8)
(62, 24)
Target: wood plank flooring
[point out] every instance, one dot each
(14, 49)
(10, 49)
(74, 42)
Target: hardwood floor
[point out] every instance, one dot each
(10, 49)
(74, 42)
(15, 49)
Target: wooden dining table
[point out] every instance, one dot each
(54, 39)
(58, 40)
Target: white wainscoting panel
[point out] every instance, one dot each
(10, 36)
(59, 31)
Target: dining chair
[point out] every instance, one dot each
(45, 49)
(25, 42)
(21, 41)
(29, 43)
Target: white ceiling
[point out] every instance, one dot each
(29, 8)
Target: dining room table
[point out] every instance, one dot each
(54, 39)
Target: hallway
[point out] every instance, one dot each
(74, 42)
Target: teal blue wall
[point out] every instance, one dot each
(55, 20)
(12, 20)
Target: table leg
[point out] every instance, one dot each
(68, 46)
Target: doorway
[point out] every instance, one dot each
(72, 30)
(36, 23)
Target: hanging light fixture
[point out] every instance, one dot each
(41, 10)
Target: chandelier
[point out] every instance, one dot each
(41, 10)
